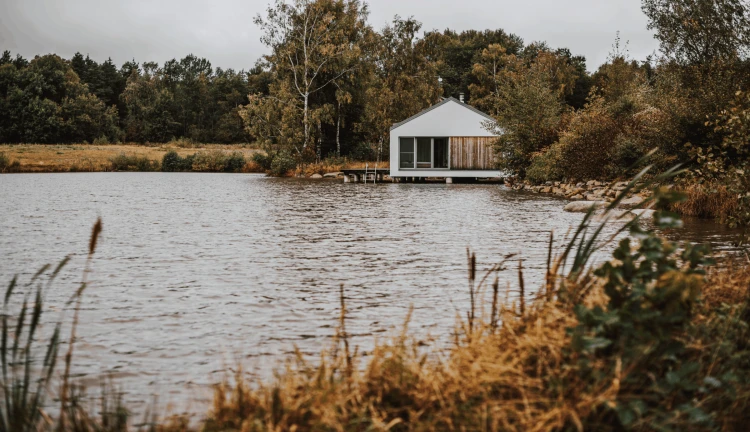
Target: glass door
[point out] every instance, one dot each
(424, 152)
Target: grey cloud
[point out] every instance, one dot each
(223, 30)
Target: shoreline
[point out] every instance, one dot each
(58, 158)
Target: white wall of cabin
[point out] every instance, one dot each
(448, 120)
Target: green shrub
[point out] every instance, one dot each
(282, 163)
(183, 143)
(172, 162)
(187, 163)
(211, 161)
(263, 160)
(234, 162)
(362, 152)
(585, 147)
(4, 162)
(124, 162)
(545, 166)
(102, 140)
(627, 150)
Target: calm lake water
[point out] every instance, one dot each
(196, 273)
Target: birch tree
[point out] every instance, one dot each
(313, 44)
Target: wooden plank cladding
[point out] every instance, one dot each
(472, 153)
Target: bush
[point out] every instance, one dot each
(212, 161)
(545, 166)
(362, 152)
(234, 162)
(263, 160)
(4, 162)
(282, 163)
(183, 143)
(102, 140)
(171, 162)
(124, 162)
(585, 147)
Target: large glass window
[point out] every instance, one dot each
(406, 152)
(423, 153)
(440, 153)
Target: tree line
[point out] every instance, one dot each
(53, 100)
(331, 84)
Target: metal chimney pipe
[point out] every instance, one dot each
(461, 97)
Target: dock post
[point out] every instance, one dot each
(346, 178)
(449, 180)
(355, 178)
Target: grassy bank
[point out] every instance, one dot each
(44, 158)
(658, 338)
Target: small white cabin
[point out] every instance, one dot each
(447, 140)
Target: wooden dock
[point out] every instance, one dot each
(366, 175)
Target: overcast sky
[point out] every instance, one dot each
(223, 30)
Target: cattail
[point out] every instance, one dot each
(95, 235)
(520, 283)
(493, 315)
(549, 266)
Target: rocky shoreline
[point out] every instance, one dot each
(594, 191)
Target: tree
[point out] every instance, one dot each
(404, 80)
(45, 101)
(456, 54)
(700, 31)
(313, 44)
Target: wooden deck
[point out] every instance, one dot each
(365, 175)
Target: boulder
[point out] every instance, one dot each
(643, 213)
(584, 206)
(316, 176)
(333, 174)
(577, 197)
(631, 202)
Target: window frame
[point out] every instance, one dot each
(432, 153)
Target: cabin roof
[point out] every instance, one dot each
(438, 105)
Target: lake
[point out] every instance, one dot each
(196, 273)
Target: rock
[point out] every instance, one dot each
(591, 183)
(584, 206)
(577, 197)
(333, 174)
(316, 176)
(631, 202)
(549, 183)
(593, 197)
(643, 213)
(546, 190)
(578, 185)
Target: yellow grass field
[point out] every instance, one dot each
(90, 157)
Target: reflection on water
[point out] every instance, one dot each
(196, 272)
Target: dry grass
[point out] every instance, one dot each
(329, 166)
(708, 201)
(508, 378)
(37, 158)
